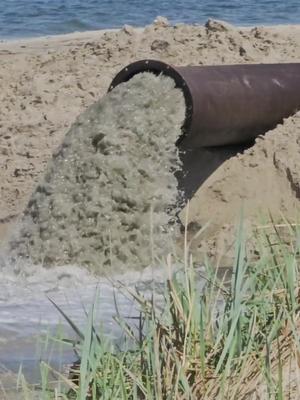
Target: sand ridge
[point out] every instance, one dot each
(263, 181)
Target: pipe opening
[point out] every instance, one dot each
(158, 68)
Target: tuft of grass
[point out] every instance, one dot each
(232, 339)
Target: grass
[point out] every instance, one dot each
(236, 338)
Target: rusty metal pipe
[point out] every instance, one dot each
(228, 104)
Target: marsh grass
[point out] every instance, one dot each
(236, 338)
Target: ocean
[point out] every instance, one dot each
(33, 18)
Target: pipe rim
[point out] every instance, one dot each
(159, 67)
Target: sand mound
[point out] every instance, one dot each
(264, 179)
(106, 197)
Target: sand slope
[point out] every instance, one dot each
(263, 181)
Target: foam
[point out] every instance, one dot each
(106, 198)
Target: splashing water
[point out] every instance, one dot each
(105, 200)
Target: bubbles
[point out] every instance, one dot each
(27, 315)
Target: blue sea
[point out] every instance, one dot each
(31, 18)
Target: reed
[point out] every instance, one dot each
(236, 338)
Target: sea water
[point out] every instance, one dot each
(28, 18)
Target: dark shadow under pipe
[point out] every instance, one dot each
(199, 163)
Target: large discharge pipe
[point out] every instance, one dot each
(229, 104)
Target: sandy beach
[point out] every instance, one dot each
(47, 82)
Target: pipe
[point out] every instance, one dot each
(228, 104)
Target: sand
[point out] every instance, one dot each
(46, 83)
(262, 183)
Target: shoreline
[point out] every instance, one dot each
(69, 36)
(56, 41)
(89, 34)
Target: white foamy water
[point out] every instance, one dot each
(109, 194)
(26, 313)
(24, 299)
